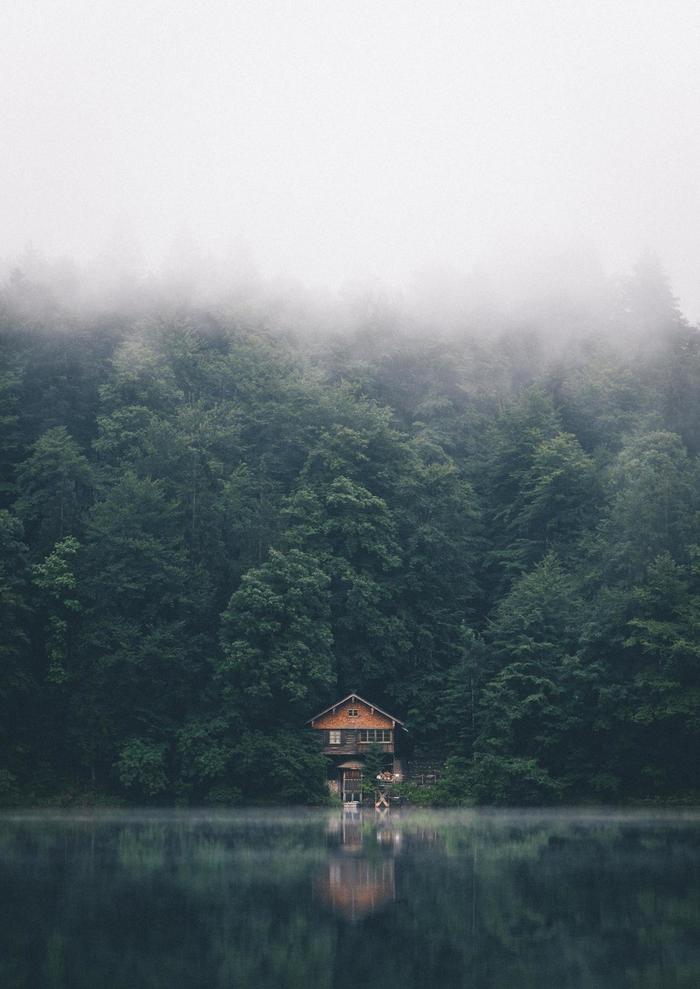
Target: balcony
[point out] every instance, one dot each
(357, 748)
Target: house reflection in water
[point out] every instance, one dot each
(359, 876)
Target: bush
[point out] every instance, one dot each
(512, 781)
(227, 796)
(453, 789)
(280, 766)
(141, 767)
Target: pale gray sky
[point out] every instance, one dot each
(357, 139)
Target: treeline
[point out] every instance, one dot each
(211, 528)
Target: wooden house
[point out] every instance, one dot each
(350, 727)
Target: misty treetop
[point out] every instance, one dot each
(212, 526)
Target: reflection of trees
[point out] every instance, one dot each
(160, 905)
(233, 903)
(531, 903)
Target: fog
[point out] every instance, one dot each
(413, 147)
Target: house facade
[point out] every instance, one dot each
(350, 727)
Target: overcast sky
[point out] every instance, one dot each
(357, 139)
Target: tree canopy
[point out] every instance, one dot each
(212, 525)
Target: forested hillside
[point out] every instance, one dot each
(212, 526)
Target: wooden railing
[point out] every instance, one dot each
(357, 748)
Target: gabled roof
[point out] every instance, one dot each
(356, 697)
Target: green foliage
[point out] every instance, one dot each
(276, 639)
(376, 761)
(280, 765)
(458, 712)
(211, 530)
(560, 492)
(10, 433)
(653, 495)
(205, 750)
(141, 768)
(17, 683)
(454, 788)
(53, 486)
(508, 780)
(56, 581)
(13, 603)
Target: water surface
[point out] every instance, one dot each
(318, 900)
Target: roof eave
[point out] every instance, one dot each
(332, 707)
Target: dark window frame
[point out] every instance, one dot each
(370, 735)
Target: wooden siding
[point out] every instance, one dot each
(350, 743)
(366, 718)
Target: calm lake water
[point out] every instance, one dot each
(250, 900)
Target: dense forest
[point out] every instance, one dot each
(214, 522)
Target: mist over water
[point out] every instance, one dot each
(330, 144)
(263, 899)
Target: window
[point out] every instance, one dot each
(334, 738)
(375, 735)
(353, 712)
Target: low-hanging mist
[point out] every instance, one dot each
(333, 142)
